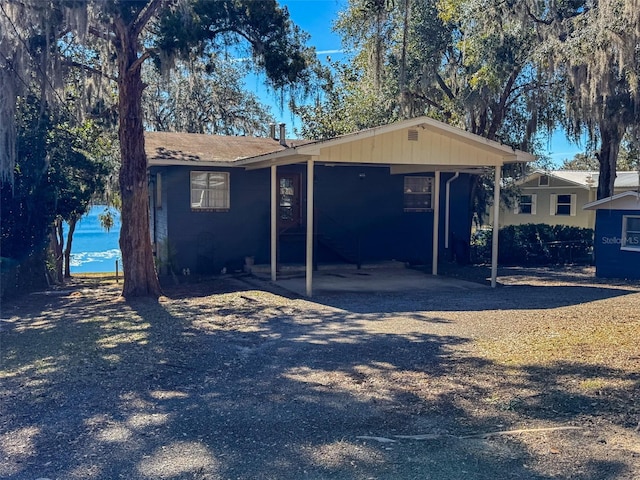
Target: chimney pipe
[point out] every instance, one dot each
(272, 130)
(283, 139)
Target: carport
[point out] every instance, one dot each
(419, 145)
(384, 277)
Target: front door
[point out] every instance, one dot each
(288, 200)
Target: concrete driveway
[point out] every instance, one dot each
(384, 277)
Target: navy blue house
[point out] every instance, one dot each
(399, 192)
(617, 235)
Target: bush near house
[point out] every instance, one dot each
(535, 244)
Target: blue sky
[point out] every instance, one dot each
(316, 17)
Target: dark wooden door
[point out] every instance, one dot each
(288, 200)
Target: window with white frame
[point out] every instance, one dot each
(526, 204)
(418, 194)
(563, 204)
(630, 233)
(210, 190)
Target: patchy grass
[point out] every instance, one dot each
(226, 381)
(97, 279)
(594, 342)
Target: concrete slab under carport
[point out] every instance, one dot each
(379, 278)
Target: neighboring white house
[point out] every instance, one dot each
(557, 197)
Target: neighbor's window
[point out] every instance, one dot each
(564, 204)
(210, 190)
(526, 205)
(630, 233)
(418, 194)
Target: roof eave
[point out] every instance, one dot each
(593, 205)
(189, 163)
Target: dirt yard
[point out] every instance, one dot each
(233, 379)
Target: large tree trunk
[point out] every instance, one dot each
(140, 278)
(610, 139)
(73, 221)
(57, 245)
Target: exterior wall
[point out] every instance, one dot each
(372, 207)
(611, 261)
(158, 218)
(582, 218)
(428, 145)
(206, 241)
(354, 201)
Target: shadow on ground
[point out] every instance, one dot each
(240, 383)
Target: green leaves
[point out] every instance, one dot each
(277, 46)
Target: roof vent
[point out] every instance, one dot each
(412, 135)
(283, 140)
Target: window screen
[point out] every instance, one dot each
(418, 194)
(210, 190)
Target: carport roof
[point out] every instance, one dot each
(415, 145)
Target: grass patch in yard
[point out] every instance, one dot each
(614, 344)
(593, 384)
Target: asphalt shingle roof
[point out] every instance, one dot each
(212, 148)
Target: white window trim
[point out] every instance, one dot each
(553, 205)
(534, 203)
(227, 197)
(623, 243)
(430, 183)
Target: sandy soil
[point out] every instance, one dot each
(230, 378)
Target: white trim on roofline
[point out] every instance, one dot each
(552, 173)
(609, 201)
(190, 163)
(507, 153)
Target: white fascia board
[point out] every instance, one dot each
(267, 159)
(507, 153)
(189, 163)
(538, 173)
(409, 169)
(300, 153)
(628, 200)
(555, 187)
(532, 176)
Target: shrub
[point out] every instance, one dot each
(535, 244)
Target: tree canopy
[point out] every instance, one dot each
(115, 38)
(511, 71)
(203, 95)
(592, 49)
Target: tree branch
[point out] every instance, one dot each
(585, 9)
(144, 17)
(536, 19)
(140, 61)
(427, 100)
(445, 88)
(82, 66)
(100, 34)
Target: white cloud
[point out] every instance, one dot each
(81, 258)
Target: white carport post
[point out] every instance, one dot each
(309, 265)
(447, 209)
(496, 214)
(436, 222)
(274, 222)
